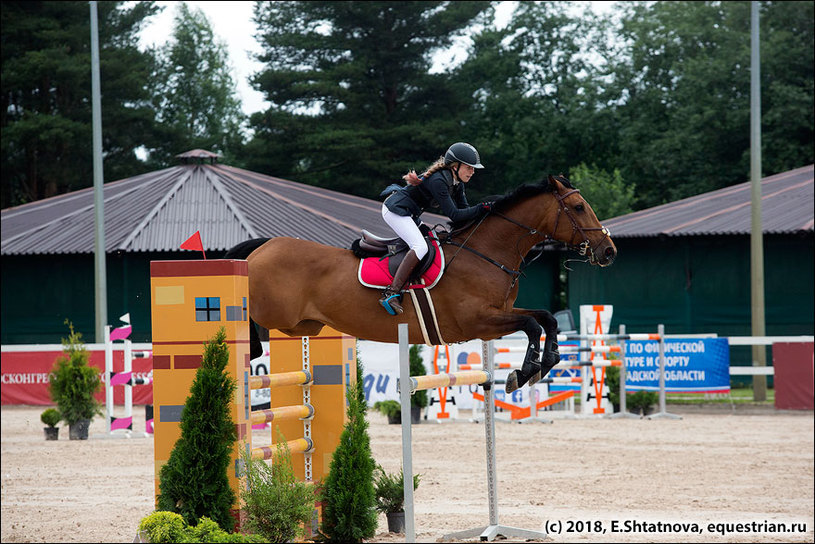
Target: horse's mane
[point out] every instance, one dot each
(503, 203)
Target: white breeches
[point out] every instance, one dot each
(406, 229)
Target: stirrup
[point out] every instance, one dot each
(387, 296)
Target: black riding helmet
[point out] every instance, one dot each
(463, 153)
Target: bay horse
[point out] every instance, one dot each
(299, 286)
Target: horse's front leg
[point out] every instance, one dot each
(551, 355)
(507, 323)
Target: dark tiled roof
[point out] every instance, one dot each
(160, 210)
(786, 207)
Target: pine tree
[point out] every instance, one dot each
(349, 511)
(194, 481)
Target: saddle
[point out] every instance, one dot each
(380, 258)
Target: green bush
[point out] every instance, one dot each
(72, 382)
(50, 417)
(390, 490)
(276, 504)
(349, 502)
(613, 387)
(419, 398)
(194, 481)
(640, 402)
(390, 408)
(171, 527)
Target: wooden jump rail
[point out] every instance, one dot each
(481, 377)
(304, 412)
(298, 377)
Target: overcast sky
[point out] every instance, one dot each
(232, 23)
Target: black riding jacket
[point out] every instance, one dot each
(437, 191)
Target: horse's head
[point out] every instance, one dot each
(577, 225)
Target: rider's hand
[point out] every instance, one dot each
(487, 206)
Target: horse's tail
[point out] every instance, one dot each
(244, 249)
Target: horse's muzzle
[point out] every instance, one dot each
(604, 254)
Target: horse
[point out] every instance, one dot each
(299, 286)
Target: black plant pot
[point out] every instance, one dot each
(395, 419)
(396, 521)
(51, 433)
(79, 430)
(415, 414)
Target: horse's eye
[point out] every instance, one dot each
(579, 207)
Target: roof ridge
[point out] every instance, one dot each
(154, 211)
(212, 177)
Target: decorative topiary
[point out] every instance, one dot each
(73, 382)
(349, 501)
(50, 417)
(194, 480)
(390, 490)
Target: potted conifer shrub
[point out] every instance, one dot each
(392, 410)
(72, 384)
(390, 497)
(51, 417)
(194, 482)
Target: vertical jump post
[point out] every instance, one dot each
(407, 385)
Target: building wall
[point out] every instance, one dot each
(701, 285)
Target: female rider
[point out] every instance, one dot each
(440, 186)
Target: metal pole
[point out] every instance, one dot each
(662, 412)
(100, 273)
(407, 444)
(623, 413)
(756, 232)
(488, 356)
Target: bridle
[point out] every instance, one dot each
(584, 248)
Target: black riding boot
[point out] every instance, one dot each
(391, 294)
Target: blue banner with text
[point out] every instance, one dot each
(692, 365)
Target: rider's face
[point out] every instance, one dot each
(465, 172)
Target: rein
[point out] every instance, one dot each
(584, 247)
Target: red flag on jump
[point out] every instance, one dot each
(194, 243)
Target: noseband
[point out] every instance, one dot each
(584, 247)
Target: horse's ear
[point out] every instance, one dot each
(552, 184)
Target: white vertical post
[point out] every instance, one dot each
(407, 444)
(108, 371)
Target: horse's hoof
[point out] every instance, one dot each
(535, 379)
(512, 382)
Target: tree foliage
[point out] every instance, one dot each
(195, 96)
(353, 102)
(656, 91)
(46, 125)
(684, 83)
(349, 500)
(194, 480)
